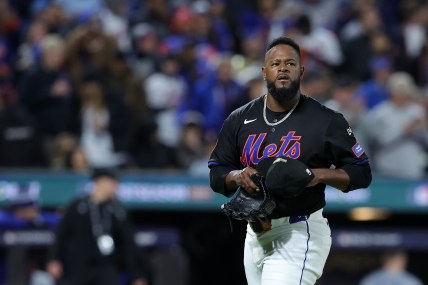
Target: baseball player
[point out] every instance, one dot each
(289, 124)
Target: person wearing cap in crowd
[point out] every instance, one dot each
(24, 217)
(95, 237)
(373, 91)
(392, 130)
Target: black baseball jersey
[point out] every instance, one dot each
(313, 134)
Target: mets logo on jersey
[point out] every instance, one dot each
(290, 147)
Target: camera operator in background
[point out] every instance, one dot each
(94, 241)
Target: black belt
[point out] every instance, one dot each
(261, 226)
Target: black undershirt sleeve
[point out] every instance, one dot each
(218, 180)
(360, 176)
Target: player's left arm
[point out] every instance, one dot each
(352, 168)
(337, 178)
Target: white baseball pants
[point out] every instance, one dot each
(294, 252)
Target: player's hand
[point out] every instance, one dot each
(243, 180)
(140, 281)
(54, 268)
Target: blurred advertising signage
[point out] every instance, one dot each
(27, 237)
(162, 192)
(393, 238)
(143, 238)
(333, 195)
(419, 194)
(19, 191)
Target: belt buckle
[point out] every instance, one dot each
(296, 219)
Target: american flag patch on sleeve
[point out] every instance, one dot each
(357, 150)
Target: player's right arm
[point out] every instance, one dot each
(226, 173)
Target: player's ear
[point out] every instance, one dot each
(302, 71)
(264, 72)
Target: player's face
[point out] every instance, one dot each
(283, 72)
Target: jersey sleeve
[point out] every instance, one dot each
(224, 157)
(342, 144)
(226, 152)
(347, 153)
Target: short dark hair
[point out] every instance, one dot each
(104, 172)
(283, 40)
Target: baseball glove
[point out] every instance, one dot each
(277, 176)
(253, 209)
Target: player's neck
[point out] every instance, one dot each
(284, 106)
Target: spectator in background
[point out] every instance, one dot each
(145, 57)
(6, 70)
(256, 18)
(114, 20)
(24, 214)
(343, 100)
(413, 34)
(78, 161)
(253, 89)
(392, 130)
(29, 52)
(96, 138)
(24, 211)
(191, 145)
(53, 16)
(251, 59)
(20, 139)
(214, 96)
(350, 24)
(393, 271)
(322, 13)
(358, 50)
(164, 91)
(208, 25)
(197, 168)
(221, 26)
(89, 51)
(320, 46)
(318, 84)
(10, 26)
(95, 237)
(68, 155)
(47, 92)
(80, 8)
(423, 65)
(373, 91)
(125, 100)
(147, 151)
(157, 13)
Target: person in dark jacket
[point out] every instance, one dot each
(94, 241)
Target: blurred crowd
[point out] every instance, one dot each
(146, 84)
